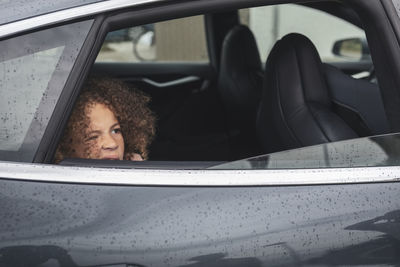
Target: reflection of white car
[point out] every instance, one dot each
(211, 194)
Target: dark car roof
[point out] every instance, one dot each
(13, 10)
(22, 15)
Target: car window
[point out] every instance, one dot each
(192, 122)
(30, 93)
(373, 151)
(270, 23)
(178, 40)
(396, 4)
(20, 9)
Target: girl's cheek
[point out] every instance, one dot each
(92, 149)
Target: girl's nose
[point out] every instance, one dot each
(109, 142)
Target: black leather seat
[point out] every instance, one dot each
(296, 108)
(240, 77)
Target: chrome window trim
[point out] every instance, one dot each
(67, 14)
(146, 177)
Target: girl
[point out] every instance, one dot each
(109, 121)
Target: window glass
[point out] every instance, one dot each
(396, 4)
(18, 108)
(362, 152)
(271, 23)
(178, 40)
(34, 69)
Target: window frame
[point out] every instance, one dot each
(197, 178)
(69, 94)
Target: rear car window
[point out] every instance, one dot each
(29, 93)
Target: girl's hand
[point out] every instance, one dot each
(135, 157)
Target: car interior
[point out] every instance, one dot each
(234, 104)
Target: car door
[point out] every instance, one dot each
(80, 216)
(295, 214)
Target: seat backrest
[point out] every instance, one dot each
(240, 76)
(296, 109)
(358, 102)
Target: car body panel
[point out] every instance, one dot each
(186, 226)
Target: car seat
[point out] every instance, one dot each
(240, 87)
(296, 108)
(240, 76)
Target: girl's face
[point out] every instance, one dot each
(103, 139)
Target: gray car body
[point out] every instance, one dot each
(87, 225)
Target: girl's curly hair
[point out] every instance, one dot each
(130, 107)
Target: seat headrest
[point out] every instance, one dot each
(240, 47)
(295, 56)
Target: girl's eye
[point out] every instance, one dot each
(91, 138)
(116, 131)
